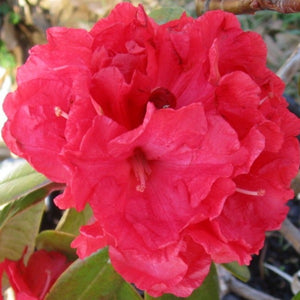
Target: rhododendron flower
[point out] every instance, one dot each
(177, 135)
(33, 280)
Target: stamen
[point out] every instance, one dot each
(60, 113)
(97, 107)
(250, 193)
(47, 284)
(141, 169)
(263, 100)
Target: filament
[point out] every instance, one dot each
(251, 193)
(60, 113)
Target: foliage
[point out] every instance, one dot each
(7, 60)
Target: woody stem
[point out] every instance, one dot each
(248, 6)
(291, 233)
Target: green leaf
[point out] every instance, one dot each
(14, 18)
(240, 272)
(92, 278)
(209, 289)
(296, 297)
(4, 9)
(20, 230)
(19, 180)
(166, 14)
(72, 220)
(10, 209)
(53, 240)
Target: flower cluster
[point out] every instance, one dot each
(177, 135)
(33, 280)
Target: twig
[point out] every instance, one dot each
(291, 233)
(291, 66)
(262, 257)
(247, 292)
(282, 274)
(206, 5)
(249, 6)
(228, 284)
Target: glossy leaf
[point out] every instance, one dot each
(92, 278)
(19, 180)
(9, 210)
(53, 240)
(209, 289)
(240, 272)
(72, 220)
(165, 14)
(19, 227)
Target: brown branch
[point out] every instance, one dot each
(291, 66)
(248, 6)
(291, 233)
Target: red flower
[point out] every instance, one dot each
(33, 281)
(177, 135)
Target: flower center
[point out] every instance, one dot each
(250, 193)
(162, 98)
(140, 168)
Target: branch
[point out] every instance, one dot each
(291, 233)
(246, 291)
(230, 284)
(291, 66)
(248, 6)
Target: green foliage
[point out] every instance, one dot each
(166, 14)
(19, 231)
(22, 191)
(19, 181)
(52, 240)
(296, 297)
(92, 278)
(14, 18)
(72, 220)
(11, 209)
(4, 9)
(7, 60)
(290, 22)
(240, 272)
(209, 289)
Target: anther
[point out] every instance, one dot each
(251, 193)
(141, 169)
(60, 113)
